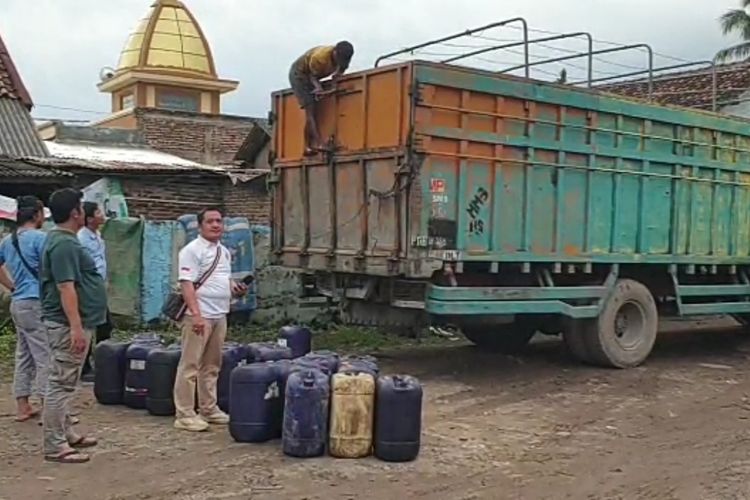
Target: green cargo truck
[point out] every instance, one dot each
(507, 206)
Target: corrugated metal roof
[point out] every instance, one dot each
(136, 155)
(123, 159)
(70, 159)
(47, 168)
(19, 169)
(18, 136)
(114, 167)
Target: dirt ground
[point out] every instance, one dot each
(535, 426)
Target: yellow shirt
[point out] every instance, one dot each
(319, 61)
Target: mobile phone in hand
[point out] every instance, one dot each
(248, 280)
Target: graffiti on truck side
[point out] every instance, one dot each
(474, 209)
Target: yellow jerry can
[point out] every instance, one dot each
(352, 414)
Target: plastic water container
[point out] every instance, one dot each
(297, 338)
(260, 352)
(359, 364)
(352, 414)
(233, 354)
(305, 432)
(161, 371)
(109, 375)
(398, 418)
(282, 368)
(136, 383)
(254, 394)
(306, 364)
(329, 358)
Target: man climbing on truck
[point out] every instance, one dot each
(305, 77)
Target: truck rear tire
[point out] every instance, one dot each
(743, 319)
(575, 341)
(625, 332)
(505, 339)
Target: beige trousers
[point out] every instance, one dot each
(199, 366)
(64, 373)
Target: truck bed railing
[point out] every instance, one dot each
(650, 72)
(470, 32)
(527, 43)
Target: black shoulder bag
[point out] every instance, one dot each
(175, 307)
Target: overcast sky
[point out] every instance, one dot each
(60, 46)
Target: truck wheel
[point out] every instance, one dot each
(549, 325)
(508, 339)
(575, 342)
(743, 319)
(625, 331)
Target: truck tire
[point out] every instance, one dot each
(625, 331)
(575, 341)
(743, 319)
(507, 339)
(549, 324)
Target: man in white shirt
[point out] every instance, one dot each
(204, 327)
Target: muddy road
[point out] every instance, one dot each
(534, 426)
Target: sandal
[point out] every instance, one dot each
(68, 457)
(84, 442)
(27, 416)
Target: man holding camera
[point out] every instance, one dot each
(205, 275)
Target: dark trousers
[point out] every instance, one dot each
(103, 332)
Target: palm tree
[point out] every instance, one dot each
(737, 21)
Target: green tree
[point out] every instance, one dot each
(737, 22)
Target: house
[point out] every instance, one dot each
(156, 185)
(18, 137)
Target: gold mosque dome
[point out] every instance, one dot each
(166, 63)
(168, 37)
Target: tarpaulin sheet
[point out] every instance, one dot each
(158, 267)
(124, 238)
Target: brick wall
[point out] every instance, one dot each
(165, 197)
(210, 139)
(248, 199)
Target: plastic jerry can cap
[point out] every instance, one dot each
(400, 382)
(308, 379)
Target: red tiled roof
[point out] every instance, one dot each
(690, 88)
(11, 85)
